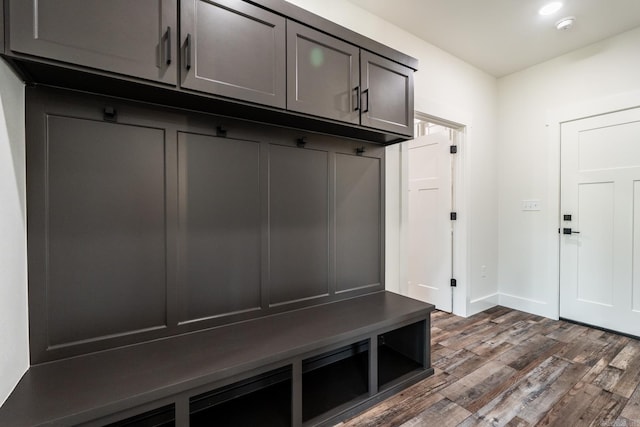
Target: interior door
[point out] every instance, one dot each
(430, 229)
(600, 214)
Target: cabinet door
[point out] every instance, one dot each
(322, 75)
(387, 94)
(127, 37)
(233, 49)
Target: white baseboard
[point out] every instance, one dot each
(539, 308)
(481, 304)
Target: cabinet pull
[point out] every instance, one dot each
(357, 96)
(366, 109)
(187, 52)
(167, 47)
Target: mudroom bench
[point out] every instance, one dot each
(313, 366)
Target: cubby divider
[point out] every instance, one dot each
(401, 352)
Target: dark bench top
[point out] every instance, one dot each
(94, 385)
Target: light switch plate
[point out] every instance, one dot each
(531, 205)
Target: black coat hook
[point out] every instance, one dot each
(301, 142)
(221, 132)
(360, 151)
(110, 114)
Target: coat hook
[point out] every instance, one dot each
(221, 132)
(360, 151)
(301, 142)
(110, 114)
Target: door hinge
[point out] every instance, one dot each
(453, 149)
(454, 283)
(453, 216)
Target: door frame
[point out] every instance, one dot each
(397, 213)
(555, 119)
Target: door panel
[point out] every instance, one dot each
(600, 167)
(219, 225)
(322, 74)
(235, 49)
(387, 94)
(298, 224)
(429, 224)
(122, 36)
(595, 259)
(358, 225)
(106, 229)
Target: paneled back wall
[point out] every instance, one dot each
(146, 222)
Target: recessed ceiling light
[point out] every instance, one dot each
(565, 23)
(550, 8)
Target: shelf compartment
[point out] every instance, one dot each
(334, 378)
(263, 400)
(401, 352)
(161, 417)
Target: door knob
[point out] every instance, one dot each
(569, 231)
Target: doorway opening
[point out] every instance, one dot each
(432, 210)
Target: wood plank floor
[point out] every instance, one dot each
(504, 367)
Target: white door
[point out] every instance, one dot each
(600, 189)
(429, 235)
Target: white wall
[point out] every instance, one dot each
(14, 334)
(529, 159)
(451, 89)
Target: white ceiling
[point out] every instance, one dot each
(504, 36)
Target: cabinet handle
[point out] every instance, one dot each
(366, 109)
(167, 47)
(187, 52)
(357, 95)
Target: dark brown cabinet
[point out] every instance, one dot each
(202, 240)
(387, 94)
(322, 74)
(132, 38)
(261, 61)
(330, 78)
(233, 49)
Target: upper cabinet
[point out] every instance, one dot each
(387, 94)
(323, 74)
(233, 49)
(260, 60)
(135, 38)
(330, 78)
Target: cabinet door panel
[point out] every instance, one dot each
(235, 50)
(298, 224)
(322, 74)
(122, 36)
(106, 229)
(358, 222)
(387, 94)
(219, 230)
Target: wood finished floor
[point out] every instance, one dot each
(508, 368)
